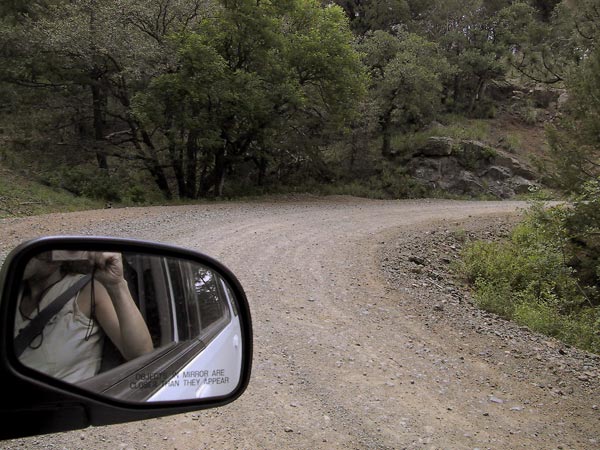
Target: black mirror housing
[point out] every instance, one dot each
(196, 314)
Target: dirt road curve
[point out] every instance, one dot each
(343, 357)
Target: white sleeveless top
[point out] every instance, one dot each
(63, 351)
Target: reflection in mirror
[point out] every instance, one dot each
(130, 326)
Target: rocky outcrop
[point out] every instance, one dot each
(467, 167)
(438, 146)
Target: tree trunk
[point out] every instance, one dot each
(262, 165)
(191, 164)
(159, 177)
(150, 157)
(385, 121)
(99, 108)
(177, 164)
(353, 154)
(204, 184)
(456, 95)
(99, 99)
(477, 95)
(219, 172)
(102, 160)
(155, 168)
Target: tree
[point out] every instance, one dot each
(248, 80)
(549, 40)
(407, 74)
(545, 8)
(91, 57)
(575, 147)
(385, 15)
(575, 139)
(469, 33)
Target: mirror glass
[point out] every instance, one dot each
(131, 326)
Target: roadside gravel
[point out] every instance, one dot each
(363, 339)
(422, 265)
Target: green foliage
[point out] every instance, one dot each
(533, 278)
(385, 15)
(392, 182)
(201, 93)
(575, 139)
(545, 8)
(468, 33)
(407, 73)
(189, 89)
(88, 181)
(250, 82)
(579, 329)
(549, 40)
(389, 183)
(582, 224)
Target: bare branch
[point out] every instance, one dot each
(520, 68)
(117, 134)
(142, 26)
(36, 84)
(551, 71)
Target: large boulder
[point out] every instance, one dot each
(436, 146)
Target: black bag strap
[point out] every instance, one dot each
(37, 324)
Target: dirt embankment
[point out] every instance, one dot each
(362, 338)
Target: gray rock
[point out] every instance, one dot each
(469, 167)
(475, 155)
(500, 190)
(542, 96)
(437, 146)
(563, 98)
(426, 169)
(500, 90)
(521, 185)
(514, 165)
(497, 173)
(468, 183)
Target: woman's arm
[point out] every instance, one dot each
(116, 311)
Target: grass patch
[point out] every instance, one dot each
(458, 127)
(511, 142)
(22, 197)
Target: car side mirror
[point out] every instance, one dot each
(97, 331)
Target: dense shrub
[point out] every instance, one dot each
(116, 185)
(90, 182)
(545, 276)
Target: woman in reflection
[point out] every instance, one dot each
(69, 346)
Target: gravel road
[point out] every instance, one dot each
(363, 339)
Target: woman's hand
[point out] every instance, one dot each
(108, 268)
